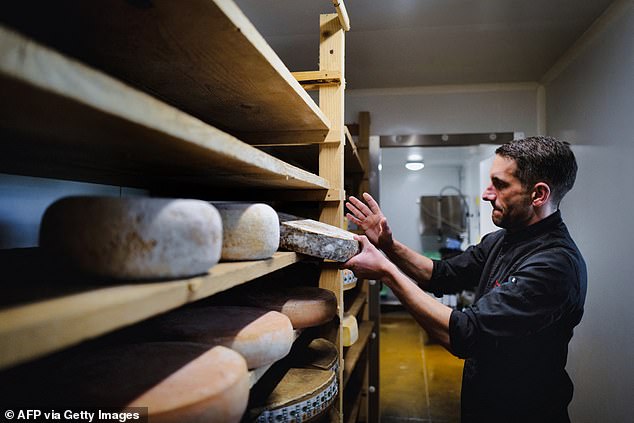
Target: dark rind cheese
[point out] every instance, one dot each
(318, 239)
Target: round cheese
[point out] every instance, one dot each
(305, 306)
(177, 382)
(261, 336)
(350, 330)
(134, 237)
(302, 395)
(319, 354)
(250, 231)
(318, 239)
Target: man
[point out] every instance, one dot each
(530, 279)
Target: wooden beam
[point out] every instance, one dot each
(342, 13)
(49, 126)
(320, 75)
(203, 56)
(29, 331)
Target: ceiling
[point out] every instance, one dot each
(407, 43)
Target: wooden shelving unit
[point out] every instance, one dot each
(28, 331)
(168, 98)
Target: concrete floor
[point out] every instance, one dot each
(420, 381)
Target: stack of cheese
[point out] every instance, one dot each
(305, 306)
(306, 390)
(138, 238)
(178, 382)
(133, 238)
(261, 336)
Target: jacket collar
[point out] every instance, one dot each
(536, 229)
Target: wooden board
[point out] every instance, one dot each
(203, 56)
(41, 314)
(353, 353)
(68, 121)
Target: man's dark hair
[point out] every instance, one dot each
(543, 159)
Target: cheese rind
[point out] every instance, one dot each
(133, 237)
(305, 306)
(261, 336)
(250, 231)
(318, 239)
(350, 330)
(177, 382)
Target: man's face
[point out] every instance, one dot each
(512, 204)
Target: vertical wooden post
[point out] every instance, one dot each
(331, 159)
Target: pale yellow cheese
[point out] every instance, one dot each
(250, 231)
(133, 237)
(305, 306)
(177, 382)
(262, 336)
(350, 330)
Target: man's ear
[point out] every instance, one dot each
(541, 194)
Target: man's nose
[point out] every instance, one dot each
(489, 194)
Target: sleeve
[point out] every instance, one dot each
(538, 293)
(462, 271)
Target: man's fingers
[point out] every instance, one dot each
(355, 211)
(360, 205)
(374, 206)
(353, 219)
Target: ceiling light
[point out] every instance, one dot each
(414, 164)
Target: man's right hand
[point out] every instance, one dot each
(370, 218)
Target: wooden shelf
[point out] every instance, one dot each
(69, 121)
(202, 56)
(31, 330)
(357, 304)
(353, 353)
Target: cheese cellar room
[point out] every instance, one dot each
(330, 211)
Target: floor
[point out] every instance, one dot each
(420, 381)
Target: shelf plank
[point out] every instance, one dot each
(353, 353)
(31, 330)
(357, 304)
(203, 56)
(66, 120)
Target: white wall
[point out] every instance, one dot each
(592, 104)
(444, 166)
(447, 109)
(401, 188)
(24, 199)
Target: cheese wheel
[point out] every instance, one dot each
(261, 336)
(318, 239)
(301, 396)
(305, 306)
(349, 279)
(350, 330)
(250, 231)
(319, 354)
(135, 237)
(177, 382)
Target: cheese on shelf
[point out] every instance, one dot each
(250, 231)
(261, 336)
(134, 237)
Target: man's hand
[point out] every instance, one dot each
(370, 218)
(369, 263)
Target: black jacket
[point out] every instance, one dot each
(531, 287)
